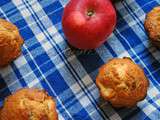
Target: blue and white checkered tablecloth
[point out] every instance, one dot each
(68, 75)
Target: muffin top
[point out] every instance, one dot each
(122, 82)
(152, 24)
(10, 42)
(29, 104)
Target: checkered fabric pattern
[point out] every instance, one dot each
(68, 75)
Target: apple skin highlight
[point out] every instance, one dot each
(87, 23)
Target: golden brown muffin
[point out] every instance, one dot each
(152, 25)
(10, 42)
(29, 104)
(122, 82)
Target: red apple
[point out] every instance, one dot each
(87, 23)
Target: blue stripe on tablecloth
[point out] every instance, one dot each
(147, 8)
(111, 50)
(26, 32)
(4, 2)
(19, 75)
(4, 91)
(51, 8)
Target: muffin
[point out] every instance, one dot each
(152, 25)
(122, 82)
(29, 104)
(10, 42)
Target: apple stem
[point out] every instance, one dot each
(90, 13)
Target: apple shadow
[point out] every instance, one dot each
(4, 91)
(115, 1)
(89, 59)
